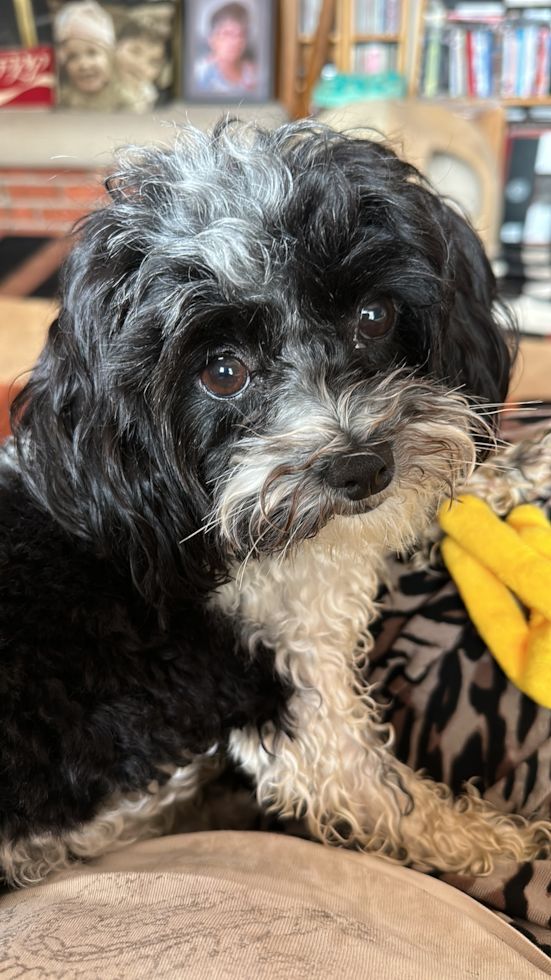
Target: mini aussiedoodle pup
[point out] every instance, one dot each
(270, 364)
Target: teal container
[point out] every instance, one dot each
(342, 90)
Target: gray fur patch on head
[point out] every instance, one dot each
(224, 192)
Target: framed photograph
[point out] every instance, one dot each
(114, 56)
(228, 50)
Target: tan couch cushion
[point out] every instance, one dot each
(229, 905)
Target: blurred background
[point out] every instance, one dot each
(462, 89)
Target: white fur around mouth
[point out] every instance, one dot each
(274, 494)
(351, 508)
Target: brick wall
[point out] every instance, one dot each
(46, 202)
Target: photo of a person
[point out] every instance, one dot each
(87, 65)
(228, 47)
(85, 37)
(140, 57)
(226, 68)
(113, 57)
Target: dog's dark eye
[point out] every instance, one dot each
(377, 318)
(225, 376)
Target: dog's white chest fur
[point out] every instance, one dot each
(312, 607)
(313, 610)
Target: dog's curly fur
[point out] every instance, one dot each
(182, 572)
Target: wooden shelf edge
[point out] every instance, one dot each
(335, 37)
(306, 39)
(473, 101)
(531, 101)
(366, 38)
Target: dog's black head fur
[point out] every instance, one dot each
(264, 248)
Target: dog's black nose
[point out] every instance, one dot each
(362, 474)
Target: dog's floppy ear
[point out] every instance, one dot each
(87, 428)
(474, 351)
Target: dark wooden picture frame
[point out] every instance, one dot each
(228, 50)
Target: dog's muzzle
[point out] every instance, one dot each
(358, 475)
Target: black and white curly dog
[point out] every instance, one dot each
(267, 370)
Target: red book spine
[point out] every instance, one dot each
(542, 81)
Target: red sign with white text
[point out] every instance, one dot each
(27, 77)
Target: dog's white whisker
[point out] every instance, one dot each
(243, 566)
(205, 527)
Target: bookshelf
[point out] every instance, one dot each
(518, 87)
(364, 37)
(383, 48)
(481, 51)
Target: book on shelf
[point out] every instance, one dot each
(368, 16)
(517, 4)
(526, 60)
(484, 51)
(377, 17)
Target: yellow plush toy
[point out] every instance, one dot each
(500, 567)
